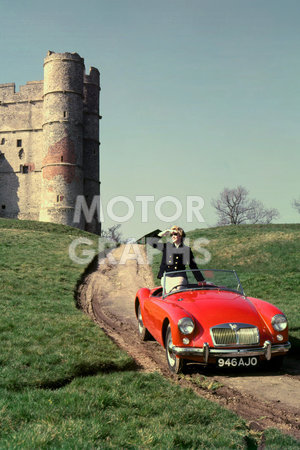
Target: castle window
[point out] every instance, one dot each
(21, 153)
(3, 206)
(65, 114)
(19, 142)
(57, 198)
(2, 141)
(61, 159)
(24, 169)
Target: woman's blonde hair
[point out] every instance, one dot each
(178, 230)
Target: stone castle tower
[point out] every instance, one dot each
(49, 143)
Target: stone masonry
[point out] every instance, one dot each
(49, 143)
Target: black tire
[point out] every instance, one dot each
(274, 365)
(176, 365)
(142, 330)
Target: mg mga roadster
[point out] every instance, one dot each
(212, 322)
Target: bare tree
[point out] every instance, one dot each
(113, 234)
(296, 204)
(234, 207)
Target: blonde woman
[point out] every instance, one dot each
(175, 257)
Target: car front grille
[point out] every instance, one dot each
(235, 334)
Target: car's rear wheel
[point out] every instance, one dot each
(175, 364)
(143, 332)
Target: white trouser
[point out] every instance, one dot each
(171, 282)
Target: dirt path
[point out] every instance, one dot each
(263, 399)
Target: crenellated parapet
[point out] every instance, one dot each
(30, 92)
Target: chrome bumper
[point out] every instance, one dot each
(268, 350)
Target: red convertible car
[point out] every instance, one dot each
(212, 322)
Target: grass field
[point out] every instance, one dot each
(266, 258)
(64, 384)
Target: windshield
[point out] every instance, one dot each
(191, 280)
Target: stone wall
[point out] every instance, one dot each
(49, 142)
(21, 139)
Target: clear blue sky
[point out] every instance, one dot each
(197, 95)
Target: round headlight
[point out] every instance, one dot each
(279, 322)
(186, 325)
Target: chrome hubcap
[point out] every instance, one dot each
(140, 322)
(171, 356)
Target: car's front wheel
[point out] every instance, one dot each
(274, 365)
(142, 330)
(175, 364)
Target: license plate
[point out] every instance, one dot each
(249, 361)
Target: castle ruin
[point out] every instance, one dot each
(49, 143)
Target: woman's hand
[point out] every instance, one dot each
(164, 233)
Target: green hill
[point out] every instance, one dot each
(65, 384)
(266, 258)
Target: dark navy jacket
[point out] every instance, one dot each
(175, 258)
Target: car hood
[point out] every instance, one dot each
(214, 307)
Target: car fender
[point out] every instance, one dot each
(266, 311)
(171, 314)
(140, 297)
(158, 313)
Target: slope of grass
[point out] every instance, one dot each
(64, 384)
(266, 258)
(45, 340)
